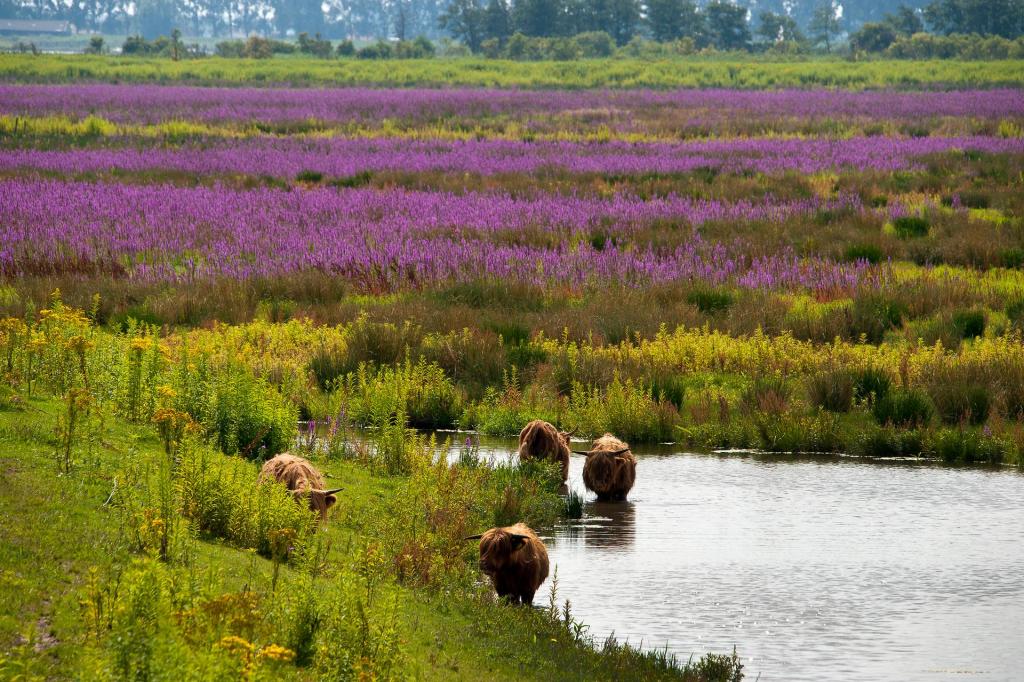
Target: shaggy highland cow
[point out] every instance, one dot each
(610, 470)
(541, 440)
(515, 560)
(302, 479)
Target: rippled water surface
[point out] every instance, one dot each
(823, 569)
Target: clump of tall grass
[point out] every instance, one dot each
(476, 360)
(505, 412)
(626, 409)
(872, 315)
(905, 408)
(871, 384)
(220, 496)
(870, 253)
(768, 394)
(887, 441)
(802, 433)
(245, 414)
(421, 391)
(710, 301)
(968, 446)
(969, 324)
(959, 404)
(832, 389)
(910, 227)
(378, 343)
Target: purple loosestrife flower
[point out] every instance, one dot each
(384, 239)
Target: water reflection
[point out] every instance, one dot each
(609, 524)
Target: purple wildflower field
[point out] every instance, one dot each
(138, 204)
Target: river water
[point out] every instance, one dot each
(832, 568)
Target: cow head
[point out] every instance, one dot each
(319, 500)
(496, 548)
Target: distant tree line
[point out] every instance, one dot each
(526, 28)
(489, 26)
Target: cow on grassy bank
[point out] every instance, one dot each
(515, 560)
(610, 469)
(541, 440)
(302, 479)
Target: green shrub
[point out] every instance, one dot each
(346, 48)
(957, 403)
(141, 314)
(310, 176)
(967, 446)
(975, 199)
(420, 391)
(474, 360)
(671, 388)
(379, 343)
(328, 364)
(360, 179)
(1012, 258)
(871, 384)
(248, 416)
(887, 441)
(864, 252)
(801, 434)
(626, 409)
(220, 496)
(872, 315)
(735, 433)
(904, 408)
(910, 227)
(767, 394)
(710, 301)
(831, 389)
(969, 324)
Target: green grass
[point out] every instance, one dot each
(692, 72)
(62, 543)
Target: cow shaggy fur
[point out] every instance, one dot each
(302, 479)
(610, 469)
(515, 560)
(541, 440)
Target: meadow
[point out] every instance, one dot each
(728, 70)
(188, 273)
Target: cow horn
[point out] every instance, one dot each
(518, 536)
(573, 432)
(473, 537)
(333, 491)
(614, 453)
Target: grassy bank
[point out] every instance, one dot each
(134, 549)
(690, 72)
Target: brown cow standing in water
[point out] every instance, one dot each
(541, 440)
(302, 479)
(515, 560)
(610, 470)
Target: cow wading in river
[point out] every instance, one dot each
(541, 440)
(515, 560)
(610, 470)
(302, 479)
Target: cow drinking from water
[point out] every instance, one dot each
(302, 479)
(610, 469)
(515, 560)
(541, 440)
